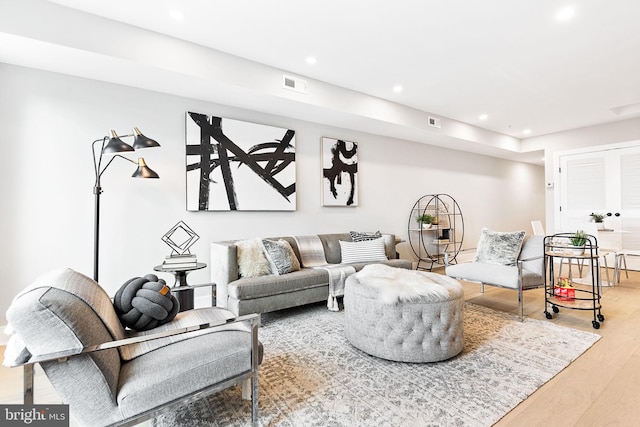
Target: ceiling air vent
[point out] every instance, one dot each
(435, 122)
(293, 83)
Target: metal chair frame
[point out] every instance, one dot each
(244, 378)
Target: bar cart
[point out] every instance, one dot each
(564, 291)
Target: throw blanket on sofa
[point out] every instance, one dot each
(338, 274)
(311, 251)
(312, 256)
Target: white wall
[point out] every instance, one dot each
(47, 124)
(592, 136)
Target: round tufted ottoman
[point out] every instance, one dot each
(404, 315)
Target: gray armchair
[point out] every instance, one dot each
(112, 376)
(527, 272)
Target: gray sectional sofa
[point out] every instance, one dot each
(243, 295)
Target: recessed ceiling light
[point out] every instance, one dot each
(565, 14)
(177, 15)
(311, 60)
(397, 88)
(526, 131)
(483, 117)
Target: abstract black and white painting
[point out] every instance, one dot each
(234, 165)
(339, 172)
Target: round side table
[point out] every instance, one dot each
(184, 296)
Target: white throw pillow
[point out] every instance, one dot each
(251, 259)
(365, 251)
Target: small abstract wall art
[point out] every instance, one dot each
(339, 172)
(234, 165)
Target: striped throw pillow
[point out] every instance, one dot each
(365, 251)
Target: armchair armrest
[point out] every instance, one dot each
(253, 319)
(531, 259)
(446, 255)
(28, 366)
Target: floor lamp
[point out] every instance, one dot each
(114, 145)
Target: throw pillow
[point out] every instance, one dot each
(497, 247)
(361, 236)
(365, 251)
(251, 259)
(281, 257)
(295, 263)
(143, 303)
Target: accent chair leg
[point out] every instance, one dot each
(620, 260)
(606, 270)
(27, 378)
(254, 400)
(521, 304)
(246, 389)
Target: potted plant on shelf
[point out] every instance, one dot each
(578, 240)
(426, 220)
(598, 219)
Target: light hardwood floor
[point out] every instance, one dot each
(600, 388)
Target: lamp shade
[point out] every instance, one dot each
(116, 145)
(143, 171)
(142, 141)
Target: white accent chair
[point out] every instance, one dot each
(527, 273)
(621, 258)
(592, 229)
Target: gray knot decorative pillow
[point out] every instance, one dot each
(143, 303)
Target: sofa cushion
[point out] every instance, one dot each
(252, 261)
(364, 251)
(496, 247)
(213, 357)
(184, 319)
(258, 287)
(332, 247)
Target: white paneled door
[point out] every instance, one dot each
(606, 182)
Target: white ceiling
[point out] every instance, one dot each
(511, 60)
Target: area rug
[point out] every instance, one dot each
(312, 376)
